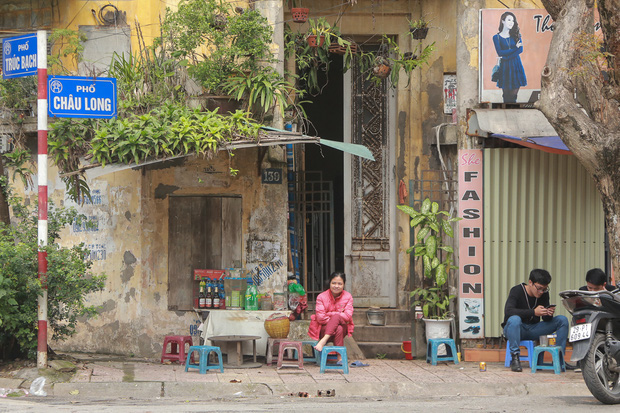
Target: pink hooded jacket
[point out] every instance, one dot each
(326, 304)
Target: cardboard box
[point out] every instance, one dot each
(210, 274)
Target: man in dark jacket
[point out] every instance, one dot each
(596, 280)
(525, 305)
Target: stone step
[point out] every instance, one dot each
(382, 349)
(388, 333)
(392, 316)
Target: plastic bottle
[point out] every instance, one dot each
(251, 301)
(222, 295)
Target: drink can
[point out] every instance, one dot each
(483, 366)
(552, 341)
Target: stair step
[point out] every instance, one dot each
(390, 333)
(373, 349)
(392, 316)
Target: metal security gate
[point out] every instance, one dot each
(439, 186)
(313, 209)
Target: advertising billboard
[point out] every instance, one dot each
(518, 48)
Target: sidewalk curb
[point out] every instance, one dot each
(136, 390)
(199, 391)
(6, 383)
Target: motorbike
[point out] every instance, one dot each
(594, 335)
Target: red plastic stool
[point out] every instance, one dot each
(177, 348)
(271, 343)
(284, 345)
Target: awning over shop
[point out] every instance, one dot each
(551, 144)
(268, 137)
(352, 148)
(526, 127)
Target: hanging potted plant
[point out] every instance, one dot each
(418, 29)
(431, 226)
(342, 46)
(319, 29)
(299, 14)
(382, 68)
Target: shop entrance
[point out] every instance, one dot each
(352, 109)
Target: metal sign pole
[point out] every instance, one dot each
(42, 180)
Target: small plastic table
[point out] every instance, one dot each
(234, 355)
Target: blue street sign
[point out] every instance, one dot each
(19, 56)
(81, 97)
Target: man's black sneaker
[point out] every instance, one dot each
(515, 363)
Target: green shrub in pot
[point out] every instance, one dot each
(431, 226)
(216, 40)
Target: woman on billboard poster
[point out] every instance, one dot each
(509, 46)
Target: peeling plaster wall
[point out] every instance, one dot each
(130, 244)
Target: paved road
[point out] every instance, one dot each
(530, 403)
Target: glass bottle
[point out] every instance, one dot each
(201, 295)
(209, 299)
(216, 297)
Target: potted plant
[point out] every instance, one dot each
(260, 90)
(216, 42)
(431, 225)
(382, 68)
(418, 29)
(299, 14)
(319, 30)
(312, 55)
(342, 46)
(389, 60)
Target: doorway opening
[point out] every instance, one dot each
(319, 186)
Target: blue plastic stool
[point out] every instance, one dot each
(203, 363)
(431, 351)
(345, 360)
(315, 354)
(557, 365)
(529, 344)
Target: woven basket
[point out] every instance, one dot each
(277, 325)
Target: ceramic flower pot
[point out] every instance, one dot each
(316, 41)
(300, 14)
(381, 71)
(335, 48)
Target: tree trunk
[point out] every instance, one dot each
(579, 98)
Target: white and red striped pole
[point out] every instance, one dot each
(42, 178)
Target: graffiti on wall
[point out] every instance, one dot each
(262, 272)
(97, 252)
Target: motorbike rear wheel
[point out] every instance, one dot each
(602, 383)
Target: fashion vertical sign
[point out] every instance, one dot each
(471, 248)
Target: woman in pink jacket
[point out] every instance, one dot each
(333, 316)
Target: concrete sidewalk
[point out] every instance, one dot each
(104, 376)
